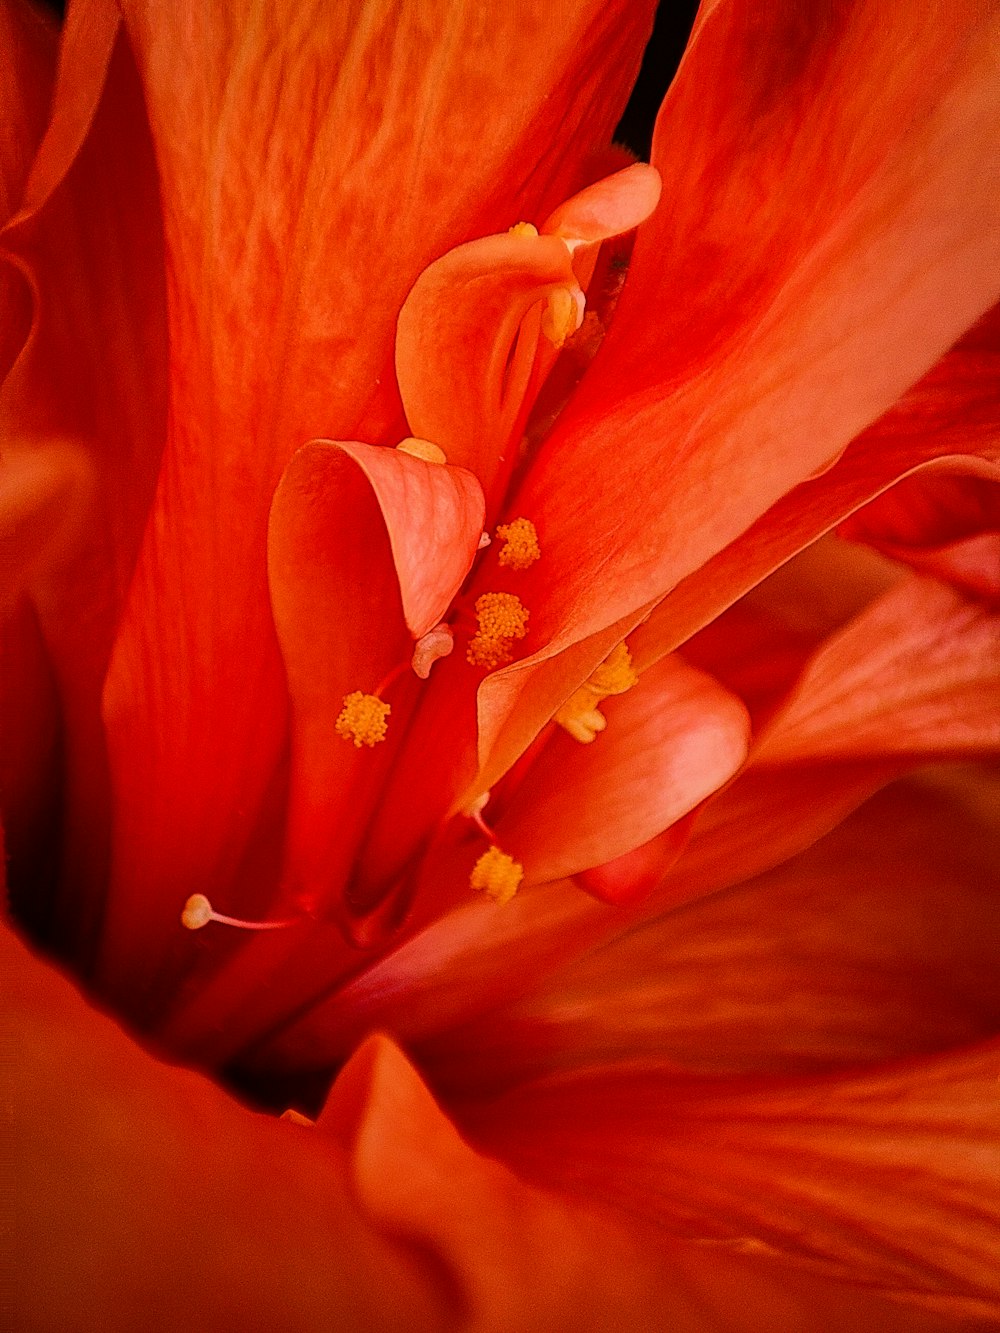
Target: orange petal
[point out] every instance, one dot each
(749, 351)
(887, 1179)
(293, 234)
(144, 1193)
(944, 526)
(357, 536)
(672, 740)
(460, 377)
(918, 672)
(877, 942)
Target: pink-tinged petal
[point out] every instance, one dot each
(82, 410)
(887, 1179)
(463, 371)
(670, 742)
(947, 527)
(751, 351)
(143, 1195)
(293, 233)
(464, 353)
(879, 941)
(517, 1257)
(360, 539)
(918, 672)
(609, 207)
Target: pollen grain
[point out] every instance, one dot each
(363, 719)
(520, 547)
(497, 874)
(502, 620)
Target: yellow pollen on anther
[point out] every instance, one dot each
(563, 315)
(497, 874)
(502, 620)
(520, 549)
(523, 229)
(363, 719)
(424, 449)
(580, 715)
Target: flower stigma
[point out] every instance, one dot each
(520, 549)
(502, 620)
(580, 715)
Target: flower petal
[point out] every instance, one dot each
(779, 358)
(82, 410)
(944, 526)
(671, 741)
(293, 233)
(144, 1195)
(878, 942)
(886, 1178)
(917, 672)
(360, 538)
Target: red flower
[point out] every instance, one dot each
(555, 813)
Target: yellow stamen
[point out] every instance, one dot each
(563, 315)
(424, 449)
(497, 874)
(363, 719)
(523, 229)
(520, 549)
(502, 620)
(580, 715)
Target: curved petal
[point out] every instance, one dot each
(945, 526)
(886, 1178)
(360, 538)
(778, 359)
(951, 416)
(464, 354)
(293, 234)
(521, 1258)
(917, 672)
(879, 941)
(143, 1194)
(671, 741)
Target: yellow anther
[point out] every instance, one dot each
(502, 620)
(523, 229)
(363, 719)
(424, 449)
(580, 715)
(497, 874)
(197, 912)
(615, 675)
(563, 315)
(520, 540)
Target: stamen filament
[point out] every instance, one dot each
(198, 912)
